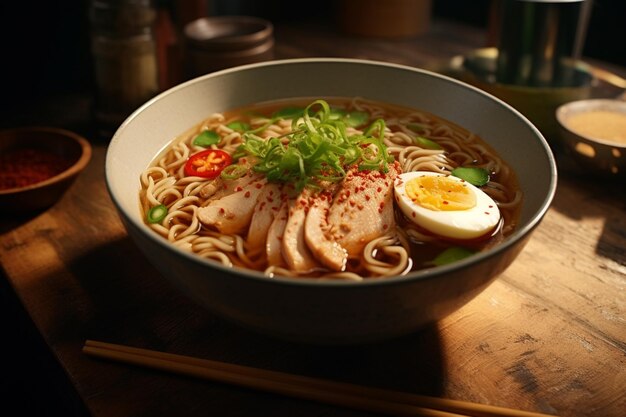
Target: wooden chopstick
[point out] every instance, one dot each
(321, 390)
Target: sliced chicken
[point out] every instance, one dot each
(232, 213)
(267, 206)
(274, 243)
(295, 250)
(363, 208)
(316, 233)
(220, 187)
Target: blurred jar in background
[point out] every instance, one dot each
(539, 40)
(125, 58)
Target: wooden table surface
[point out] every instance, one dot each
(549, 335)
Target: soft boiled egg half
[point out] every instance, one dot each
(446, 205)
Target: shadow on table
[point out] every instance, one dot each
(134, 305)
(577, 197)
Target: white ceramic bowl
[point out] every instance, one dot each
(305, 309)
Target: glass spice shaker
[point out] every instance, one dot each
(125, 58)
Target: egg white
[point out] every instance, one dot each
(456, 224)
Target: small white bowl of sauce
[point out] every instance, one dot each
(594, 133)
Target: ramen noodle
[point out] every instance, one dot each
(336, 188)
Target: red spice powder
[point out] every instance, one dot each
(23, 167)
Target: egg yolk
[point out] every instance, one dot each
(440, 193)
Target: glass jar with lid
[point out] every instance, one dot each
(125, 58)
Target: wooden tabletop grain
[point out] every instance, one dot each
(549, 335)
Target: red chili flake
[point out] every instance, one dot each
(275, 208)
(385, 227)
(270, 200)
(379, 189)
(23, 167)
(360, 206)
(367, 197)
(258, 186)
(222, 211)
(445, 202)
(271, 192)
(247, 194)
(238, 188)
(262, 205)
(280, 238)
(413, 214)
(352, 203)
(382, 204)
(347, 193)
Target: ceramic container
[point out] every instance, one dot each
(215, 43)
(595, 155)
(310, 310)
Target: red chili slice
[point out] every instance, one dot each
(207, 164)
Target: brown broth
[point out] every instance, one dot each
(422, 253)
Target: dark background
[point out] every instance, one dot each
(46, 48)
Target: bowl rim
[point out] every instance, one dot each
(593, 103)
(518, 236)
(75, 168)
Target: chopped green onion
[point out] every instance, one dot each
(356, 118)
(319, 147)
(427, 143)
(416, 127)
(234, 171)
(337, 114)
(239, 126)
(207, 138)
(156, 214)
(473, 175)
(452, 254)
(288, 113)
(351, 119)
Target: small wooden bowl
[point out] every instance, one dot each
(72, 148)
